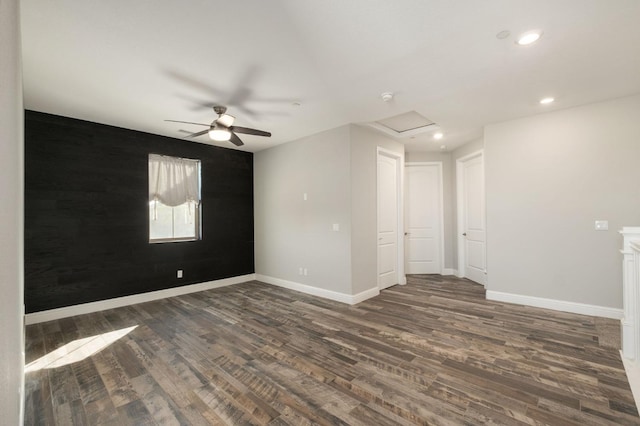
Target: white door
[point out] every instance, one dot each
(471, 223)
(388, 205)
(423, 218)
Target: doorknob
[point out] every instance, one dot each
(407, 233)
(464, 234)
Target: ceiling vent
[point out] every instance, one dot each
(404, 125)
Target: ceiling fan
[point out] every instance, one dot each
(222, 129)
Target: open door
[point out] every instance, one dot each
(471, 218)
(389, 209)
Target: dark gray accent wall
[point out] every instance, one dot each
(86, 214)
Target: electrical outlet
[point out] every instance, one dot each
(179, 274)
(305, 272)
(602, 225)
(300, 271)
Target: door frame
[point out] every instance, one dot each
(460, 212)
(438, 164)
(402, 279)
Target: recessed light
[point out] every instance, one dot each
(529, 37)
(545, 101)
(386, 96)
(437, 136)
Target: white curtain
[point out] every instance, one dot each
(173, 181)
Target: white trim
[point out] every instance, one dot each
(632, 370)
(450, 271)
(364, 295)
(630, 282)
(441, 189)
(556, 305)
(461, 272)
(401, 276)
(439, 165)
(320, 292)
(118, 302)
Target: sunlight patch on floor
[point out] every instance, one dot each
(77, 350)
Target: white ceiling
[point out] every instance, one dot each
(134, 64)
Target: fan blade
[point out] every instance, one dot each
(195, 135)
(248, 131)
(189, 122)
(235, 140)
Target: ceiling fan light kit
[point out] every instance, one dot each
(222, 128)
(219, 134)
(225, 120)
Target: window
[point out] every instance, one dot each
(174, 199)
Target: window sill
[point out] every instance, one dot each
(172, 240)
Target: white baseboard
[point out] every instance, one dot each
(450, 271)
(364, 295)
(320, 292)
(556, 305)
(633, 376)
(102, 305)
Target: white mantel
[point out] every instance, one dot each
(631, 321)
(631, 293)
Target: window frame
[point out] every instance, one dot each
(197, 213)
(197, 227)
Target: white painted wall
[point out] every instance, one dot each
(364, 225)
(291, 233)
(549, 177)
(337, 170)
(466, 149)
(11, 216)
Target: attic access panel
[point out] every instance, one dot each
(406, 122)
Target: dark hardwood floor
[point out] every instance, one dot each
(431, 352)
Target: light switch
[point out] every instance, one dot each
(336, 227)
(602, 225)
(305, 197)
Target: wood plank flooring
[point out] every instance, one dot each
(431, 352)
